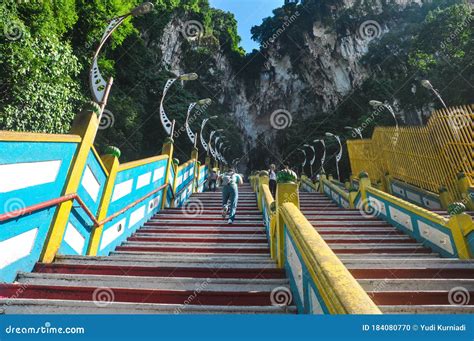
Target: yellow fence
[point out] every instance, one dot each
(425, 156)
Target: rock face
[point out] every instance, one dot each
(328, 69)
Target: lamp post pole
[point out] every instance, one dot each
(165, 121)
(426, 84)
(304, 161)
(311, 162)
(339, 154)
(192, 136)
(100, 89)
(323, 159)
(355, 130)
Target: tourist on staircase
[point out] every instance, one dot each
(230, 192)
(213, 176)
(273, 179)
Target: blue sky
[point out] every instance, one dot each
(248, 13)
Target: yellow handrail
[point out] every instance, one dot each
(341, 293)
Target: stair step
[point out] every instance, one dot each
(193, 249)
(254, 298)
(209, 230)
(198, 239)
(159, 271)
(204, 235)
(159, 283)
(192, 245)
(43, 306)
(411, 273)
(425, 297)
(415, 284)
(427, 309)
(214, 223)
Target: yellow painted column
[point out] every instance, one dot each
(463, 185)
(111, 163)
(286, 192)
(167, 149)
(262, 179)
(195, 157)
(321, 185)
(461, 225)
(388, 183)
(175, 166)
(85, 124)
(444, 197)
(364, 183)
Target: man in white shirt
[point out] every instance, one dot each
(230, 192)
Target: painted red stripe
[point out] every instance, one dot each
(371, 240)
(197, 240)
(127, 270)
(382, 250)
(189, 250)
(415, 297)
(413, 273)
(138, 295)
(174, 230)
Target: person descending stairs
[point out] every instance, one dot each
(184, 260)
(398, 273)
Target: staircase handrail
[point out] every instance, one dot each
(340, 290)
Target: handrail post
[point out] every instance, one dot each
(461, 226)
(262, 179)
(285, 193)
(175, 166)
(463, 186)
(195, 158)
(364, 183)
(167, 149)
(111, 163)
(85, 124)
(321, 185)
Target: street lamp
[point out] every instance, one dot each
(165, 121)
(99, 88)
(304, 162)
(378, 104)
(358, 131)
(312, 160)
(323, 159)
(339, 154)
(426, 84)
(209, 149)
(191, 135)
(203, 125)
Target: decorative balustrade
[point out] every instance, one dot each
(57, 196)
(428, 157)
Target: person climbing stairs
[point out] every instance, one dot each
(184, 260)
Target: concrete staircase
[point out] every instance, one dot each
(398, 273)
(186, 260)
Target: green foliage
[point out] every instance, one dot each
(40, 91)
